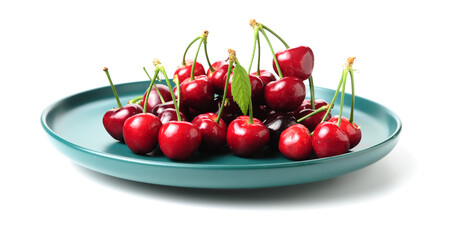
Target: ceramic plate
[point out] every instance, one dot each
(75, 127)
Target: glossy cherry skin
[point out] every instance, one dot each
(285, 95)
(214, 135)
(114, 119)
(184, 71)
(245, 139)
(168, 105)
(296, 143)
(329, 140)
(154, 98)
(140, 132)
(265, 76)
(295, 62)
(230, 110)
(179, 140)
(219, 76)
(170, 114)
(276, 124)
(351, 130)
(198, 93)
(257, 89)
(306, 104)
(312, 121)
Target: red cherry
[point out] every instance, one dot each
(154, 98)
(184, 71)
(167, 105)
(246, 139)
(179, 140)
(219, 76)
(170, 114)
(285, 95)
(312, 121)
(230, 111)
(213, 134)
(141, 132)
(198, 93)
(277, 123)
(295, 62)
(257, 90)
(306, 104)
(114, 119)
(329, 140)
(352, 130)
(265, 76)
(296, 143)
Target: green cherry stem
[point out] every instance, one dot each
(224, 98)
(258, 72)
(156, 88)
(160, 67)
(135, 100)
(321, 109)
(195, 58)
(276, 35)
(206, 53)
(341, 107)
(312, 92)
(273, 53)
(177, 83)
(344, 73)
(353, 95)
(255, 39)
(185, 52)
(152, 82)
(105, 69)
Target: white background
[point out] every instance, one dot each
(52, 49)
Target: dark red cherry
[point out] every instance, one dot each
(296, 143)
(352, 130)
(312, 121)
(184, 71)
(306, 104)
(163, 106)
(245, 139)
(170, 114)
(265, 76)
(276, 124)
(329, 140)
(219, 76)
(295, 62)
(285, 95)
(257, 89)
(230, 111)
(213, 133)
(140, 132)
(198, 93)
(179, 140)
(114, 119)
(154, 98)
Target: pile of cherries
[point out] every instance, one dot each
(230, 107)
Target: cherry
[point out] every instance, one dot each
(179, 140)
(265, 76)
(230, 110)
(167, 105)
(141, 132)
(276, 124)
(329, 140)
(213, 133)
(218, 77)
(245, 139)
(295, 62)
(198, 93)
(184, 71)
(154, 98)
(350, 129)
(312, 121)
(285, 95)
(257, 89)
(306, 104)
(296, 143)
(170, 114)
(114, 119)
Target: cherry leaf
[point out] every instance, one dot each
(241, 90)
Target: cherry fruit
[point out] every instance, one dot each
(114, 119)
(245, 139)
(265, 76)
(350, 129)
(276, 124)
(183, 72)
(296, 143)
(295, 62)
(213, 133)
(170, 114)
(329, 140)
(179, 140)
(140, 132)
(198, 93)
(154, 97)
(285, 95)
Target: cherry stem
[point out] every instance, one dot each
(156, 88)
(353, 95)
(312, 94)
(152, 82)
(159, 66)
(185, 52)
(177, 83)
(224, 96)
(255, 40)
(207, 56)
(258, 72)
(105, 69)
(135, 100)
(195, 58)
(335, 95)
(342, 97)
(321, 109)
(273, 53)
(276, 35)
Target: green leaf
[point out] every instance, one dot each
(241, 90)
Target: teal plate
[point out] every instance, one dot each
(75, 127)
